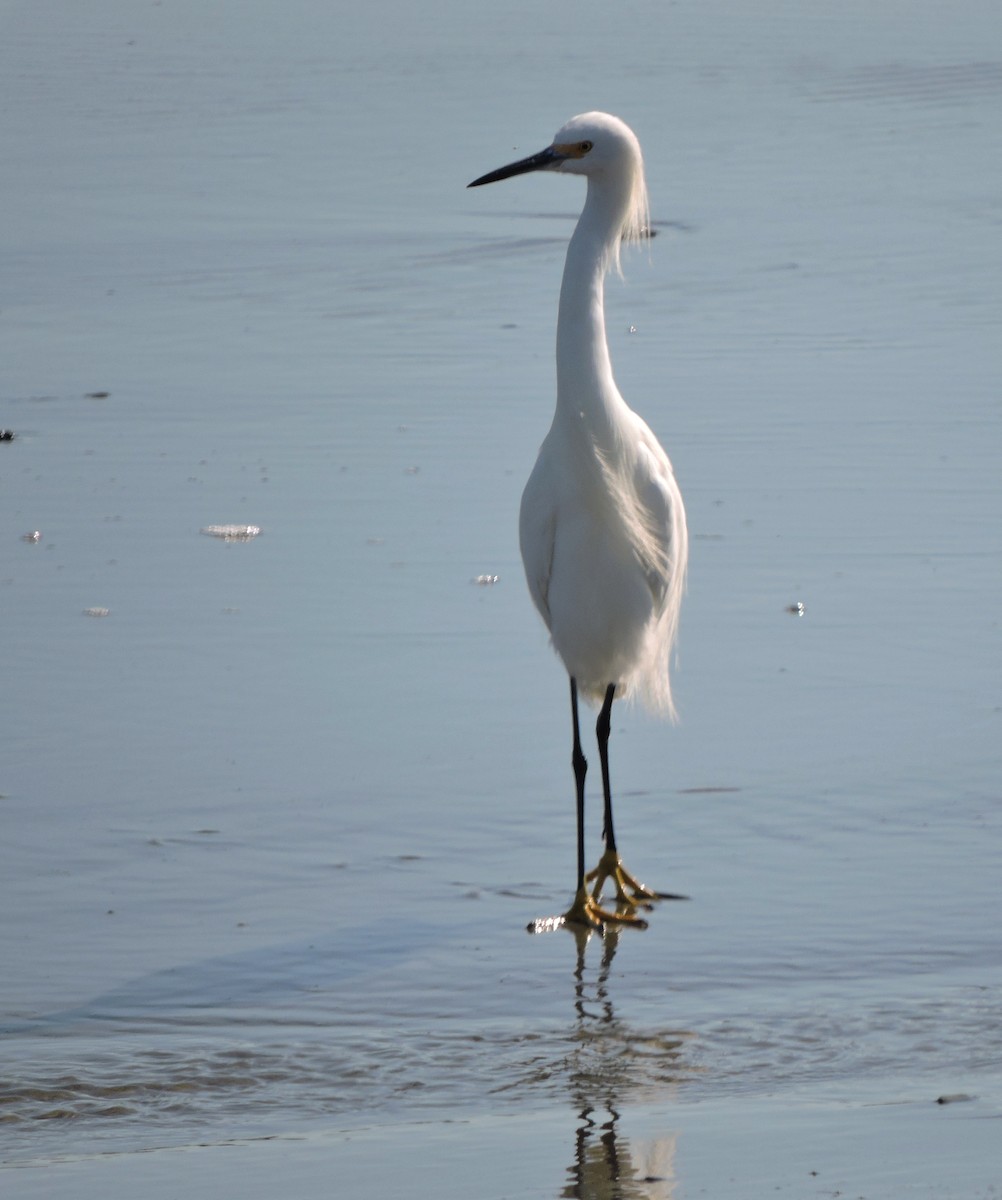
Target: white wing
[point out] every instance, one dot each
(537, 523)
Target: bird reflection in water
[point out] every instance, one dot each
(607, 1165)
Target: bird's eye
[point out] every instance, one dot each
(585, 147)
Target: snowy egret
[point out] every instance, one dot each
(602, 526)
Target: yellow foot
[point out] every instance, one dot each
(587, 911)
(629, 891)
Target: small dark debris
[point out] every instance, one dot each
(6, 435)
(954, 1098)
(97, 395)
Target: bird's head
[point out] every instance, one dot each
(597, 143)
(605, 150)
(591, 144)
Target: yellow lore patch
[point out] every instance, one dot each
(571, 149)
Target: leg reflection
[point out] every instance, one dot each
(607, 1165)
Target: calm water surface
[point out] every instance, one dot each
(274, 825)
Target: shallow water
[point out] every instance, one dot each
(274, 825)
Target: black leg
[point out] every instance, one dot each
(602, 730)
(628, 889)
(580, 764)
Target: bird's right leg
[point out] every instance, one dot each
(581, 911)
(586, 909)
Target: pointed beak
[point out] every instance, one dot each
(535, 162)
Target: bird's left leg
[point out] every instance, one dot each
(629, 890)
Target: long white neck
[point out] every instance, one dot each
(586, 389)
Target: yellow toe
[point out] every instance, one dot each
(629, 890)
(588, 912)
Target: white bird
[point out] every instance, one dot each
(602, 526)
